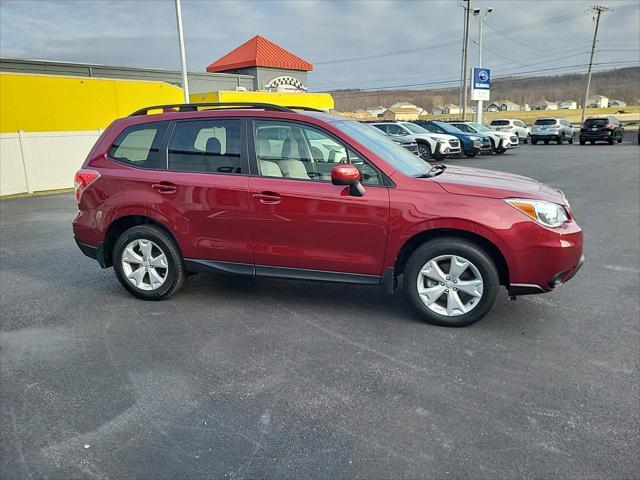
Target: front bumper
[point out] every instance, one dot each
(448, 148)
(544, 258)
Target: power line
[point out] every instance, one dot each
(536, 24)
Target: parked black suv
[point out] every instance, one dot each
(607, 129)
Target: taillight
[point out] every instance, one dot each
(83, 179)
(608, 125)
(508, 127)
(557, 125)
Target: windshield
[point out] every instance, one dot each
(499, 123)
(546, 121)
(414, 128)
(464, 127)
(479, 127)
(447, 128)
(370, 137)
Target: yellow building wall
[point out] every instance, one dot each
(45, 103)
(320, 101)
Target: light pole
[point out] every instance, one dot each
(183, 57)
(481, 18)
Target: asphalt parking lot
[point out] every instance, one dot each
(257, 378)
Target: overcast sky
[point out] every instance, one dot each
(365, 44)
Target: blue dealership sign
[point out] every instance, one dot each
(481, 79)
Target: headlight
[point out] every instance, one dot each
(546, 213)
(441, 141)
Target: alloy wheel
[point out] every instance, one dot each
(450, 285)
(145, 264)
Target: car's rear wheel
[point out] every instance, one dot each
(620, 139)
(610, 140)
(571, 139)
(451, 282)
(534, 141)
(527, 138)
(560, 139)
(582, 142)
(546, 142)
(424, 152)
(592, 142)
(148, 262)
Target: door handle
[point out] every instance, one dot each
(164, 187)
(267, 198)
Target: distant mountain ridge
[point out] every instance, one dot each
(620, 84)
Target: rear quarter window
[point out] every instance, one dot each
(139, 145)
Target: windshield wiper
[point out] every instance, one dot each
(433, 171)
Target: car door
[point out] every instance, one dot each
(203, 191)
(303, 225)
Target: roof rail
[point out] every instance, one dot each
(305, 109)
(193, 107)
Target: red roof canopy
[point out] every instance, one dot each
(259, 52)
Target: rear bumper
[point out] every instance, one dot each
(595, 135)
(97, 253)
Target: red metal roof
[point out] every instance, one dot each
(259, 52)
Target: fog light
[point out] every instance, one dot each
(556, 280)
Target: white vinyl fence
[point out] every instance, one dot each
(39, 161)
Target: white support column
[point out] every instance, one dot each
(26, 164)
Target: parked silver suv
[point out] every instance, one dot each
(551, 128)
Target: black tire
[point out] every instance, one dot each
(500, 151)
(470, 154)
(534, 141)
(560, 139)
(582, 142)
(592, 142)
(611, 141)
(620, 139)
(546, 142)
(424, 152)
(451, 246)
(527, 139)
(571, 140)
(175, 272)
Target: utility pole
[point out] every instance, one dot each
(598, 10)
(481, 22)
(464, 33)
(183, 57)
(464, 61)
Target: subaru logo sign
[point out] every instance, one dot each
(481, 79)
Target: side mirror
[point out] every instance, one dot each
(347, 174)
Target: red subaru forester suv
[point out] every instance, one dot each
(265, 190)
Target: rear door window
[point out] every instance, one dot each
(206, 146)
(139, 145)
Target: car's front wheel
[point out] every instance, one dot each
(424, 152)
(148, 262)
(451, 282)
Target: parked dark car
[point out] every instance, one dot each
(263, 190)
(472, 143)
(606, 129)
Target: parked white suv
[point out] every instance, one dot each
(500, 141)
(512, 125)
(436, 145)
